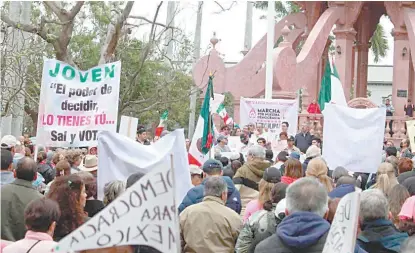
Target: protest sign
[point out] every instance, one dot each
(342, 234)
(410, 126)
(359, 146)
(270, 113)
(119, 157)
(128, 126)
(75, 105)
(235, 144)
(145, 214)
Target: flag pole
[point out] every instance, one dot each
(174, 202)
(210, 119)
(270, 48)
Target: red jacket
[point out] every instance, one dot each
(313, 108)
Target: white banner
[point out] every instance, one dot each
(128, 127)
(343, 230)
(145, 214)
(270, 113)
(119, 157)
(353, 138)
(75, 105)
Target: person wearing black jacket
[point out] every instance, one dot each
(303, 139)
(44, 168)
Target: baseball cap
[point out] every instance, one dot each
(313, 151)
(9, 141)
(194, 169)
(272, 175)
(221, 138)
(291, 138)
(234, 156)
(212, 164)
(295, 155)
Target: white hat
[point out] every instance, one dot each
(90, 163)
(9, 141)
(194, 169)
(280, 208)
(313, 152)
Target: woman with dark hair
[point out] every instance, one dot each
(92, 205)
(262, 224)
(45, 169)
(41, 217)
(69, 192)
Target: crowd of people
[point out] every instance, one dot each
(271, 195)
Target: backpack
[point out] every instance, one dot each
(262, 234)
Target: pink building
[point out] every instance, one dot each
(354, 24)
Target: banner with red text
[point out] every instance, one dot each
(270, 113)
(75, 105)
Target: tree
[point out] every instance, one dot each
(378, 41)
(148, 84)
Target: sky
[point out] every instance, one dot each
(229, 26)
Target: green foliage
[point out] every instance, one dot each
(147, 86)
(379, 43)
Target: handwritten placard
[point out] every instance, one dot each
(342, 234)
(75, 105)
(144, 214)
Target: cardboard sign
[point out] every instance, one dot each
(75, 105)
(145, 214)
(343, 230)
(128, 126)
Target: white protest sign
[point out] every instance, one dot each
(119, 157)
(128, 126)
(145, 214)
(235, 144)
(359, 146)
(270, 113)
(75, 105)
(410, 126)
(342, 234)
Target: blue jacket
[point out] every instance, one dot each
(380, 236)
(341, 191)
(196, 194)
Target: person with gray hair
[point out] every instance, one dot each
(247, 177)
(378, 233)
(210, 226)
(304, 229)
(338, 172)
(408, 245)
(112, 190)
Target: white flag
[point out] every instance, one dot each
(119, 157)
(145, 214)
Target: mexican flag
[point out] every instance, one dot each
(224, 115)
(202, 140)
(163, 119)
(331, 90)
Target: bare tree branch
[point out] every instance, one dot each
(56, 9)
(149, 21)
(113, 34)
(75, 10)
(222, 8)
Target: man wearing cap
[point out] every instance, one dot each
(312, 152)
(212, 168)
(222, 145)
(196, 175)
(90, 164)
(290, 146)
(9, 142)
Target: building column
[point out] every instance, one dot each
(344, 58)
(362, 62)
(411, 84)
(401, 56)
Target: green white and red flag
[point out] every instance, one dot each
(162, 123)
